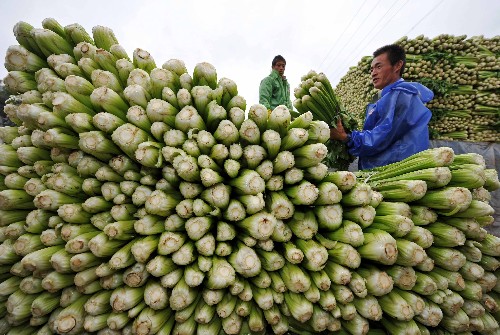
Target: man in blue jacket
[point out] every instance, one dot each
(396, 125)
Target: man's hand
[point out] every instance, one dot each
(338, 133)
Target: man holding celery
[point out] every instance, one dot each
(396, 125)
(274, 90)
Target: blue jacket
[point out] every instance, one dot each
(395, 126)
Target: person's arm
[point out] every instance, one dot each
(265, 92)
(391, 126)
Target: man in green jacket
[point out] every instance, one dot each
(274, 89)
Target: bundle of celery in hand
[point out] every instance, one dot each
(315, 94)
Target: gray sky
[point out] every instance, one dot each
(240, 38)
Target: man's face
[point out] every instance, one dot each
(280, 67)
(383, 73)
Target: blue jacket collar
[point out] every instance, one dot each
(386, 89)
(423, 92)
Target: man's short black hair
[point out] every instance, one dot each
(278, 58)
(395, 53)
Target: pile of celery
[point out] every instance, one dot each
(137, 199)
(315, 94)
(462, 72)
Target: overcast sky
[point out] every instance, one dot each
(240, 38)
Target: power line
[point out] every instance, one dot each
(341, 35)
(354, 33)
(378, 31)
(366, 36)
(352, 59)
(416, 24)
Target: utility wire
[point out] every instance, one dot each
(378, 31)
(341, 35)
(416, 24)
(352, 55)
(336, 56)
(369, 35)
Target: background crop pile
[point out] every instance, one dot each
(138, 199)
(463, 74)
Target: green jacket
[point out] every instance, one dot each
(275, 91)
